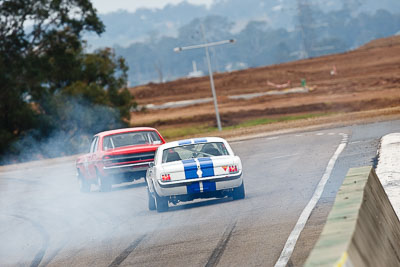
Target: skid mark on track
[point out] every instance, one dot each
(285, 156)
(51, 257)
(219, 250)
(20, 180)
(121, 257)
(45, 239)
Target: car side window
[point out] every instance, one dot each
(221, 147)
(155, 138)
(96, 144)
(93, 145)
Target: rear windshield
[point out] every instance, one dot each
(129, 139)
(194, 151)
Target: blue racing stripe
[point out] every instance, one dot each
(200, 140)
(185, 142)
(193, 188)
(190, 167)
(209, 186)
(207, 167)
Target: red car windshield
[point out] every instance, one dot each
(130, 139)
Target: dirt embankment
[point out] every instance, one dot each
(364, 79)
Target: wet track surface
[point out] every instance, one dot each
(46, 221)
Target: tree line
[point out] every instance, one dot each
(258, 44)
(52, 92)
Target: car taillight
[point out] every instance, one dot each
(233, 169)
(166, 177)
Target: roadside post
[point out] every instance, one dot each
(206, 45)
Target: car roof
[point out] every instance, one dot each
(125, 130)
(191, 141)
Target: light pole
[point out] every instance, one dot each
(206, 45)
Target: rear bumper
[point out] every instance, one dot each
(135, 167)
(184, 187)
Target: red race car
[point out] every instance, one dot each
(117, 156)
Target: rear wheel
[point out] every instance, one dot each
(161, 203)
(151, 201)
(238, 192)
(84, 185)
(103, 183)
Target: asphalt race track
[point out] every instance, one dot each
(46, 221)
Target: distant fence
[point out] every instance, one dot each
(362, 229)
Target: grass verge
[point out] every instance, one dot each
(175, 133)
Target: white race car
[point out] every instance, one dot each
(195, 168)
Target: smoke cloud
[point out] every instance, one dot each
(71, 128)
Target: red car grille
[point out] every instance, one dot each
(129, 158)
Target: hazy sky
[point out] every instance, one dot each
(105, 6)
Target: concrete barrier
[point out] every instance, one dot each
(388, 169)
(362, 228)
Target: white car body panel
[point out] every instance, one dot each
(197, 175)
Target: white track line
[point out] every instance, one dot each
(301, 222)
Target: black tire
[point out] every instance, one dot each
(238, 192)
(151, 201)
(84, 185)
(103, 183)
(161, 203)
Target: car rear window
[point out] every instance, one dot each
(130, 139)
(194, 151)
